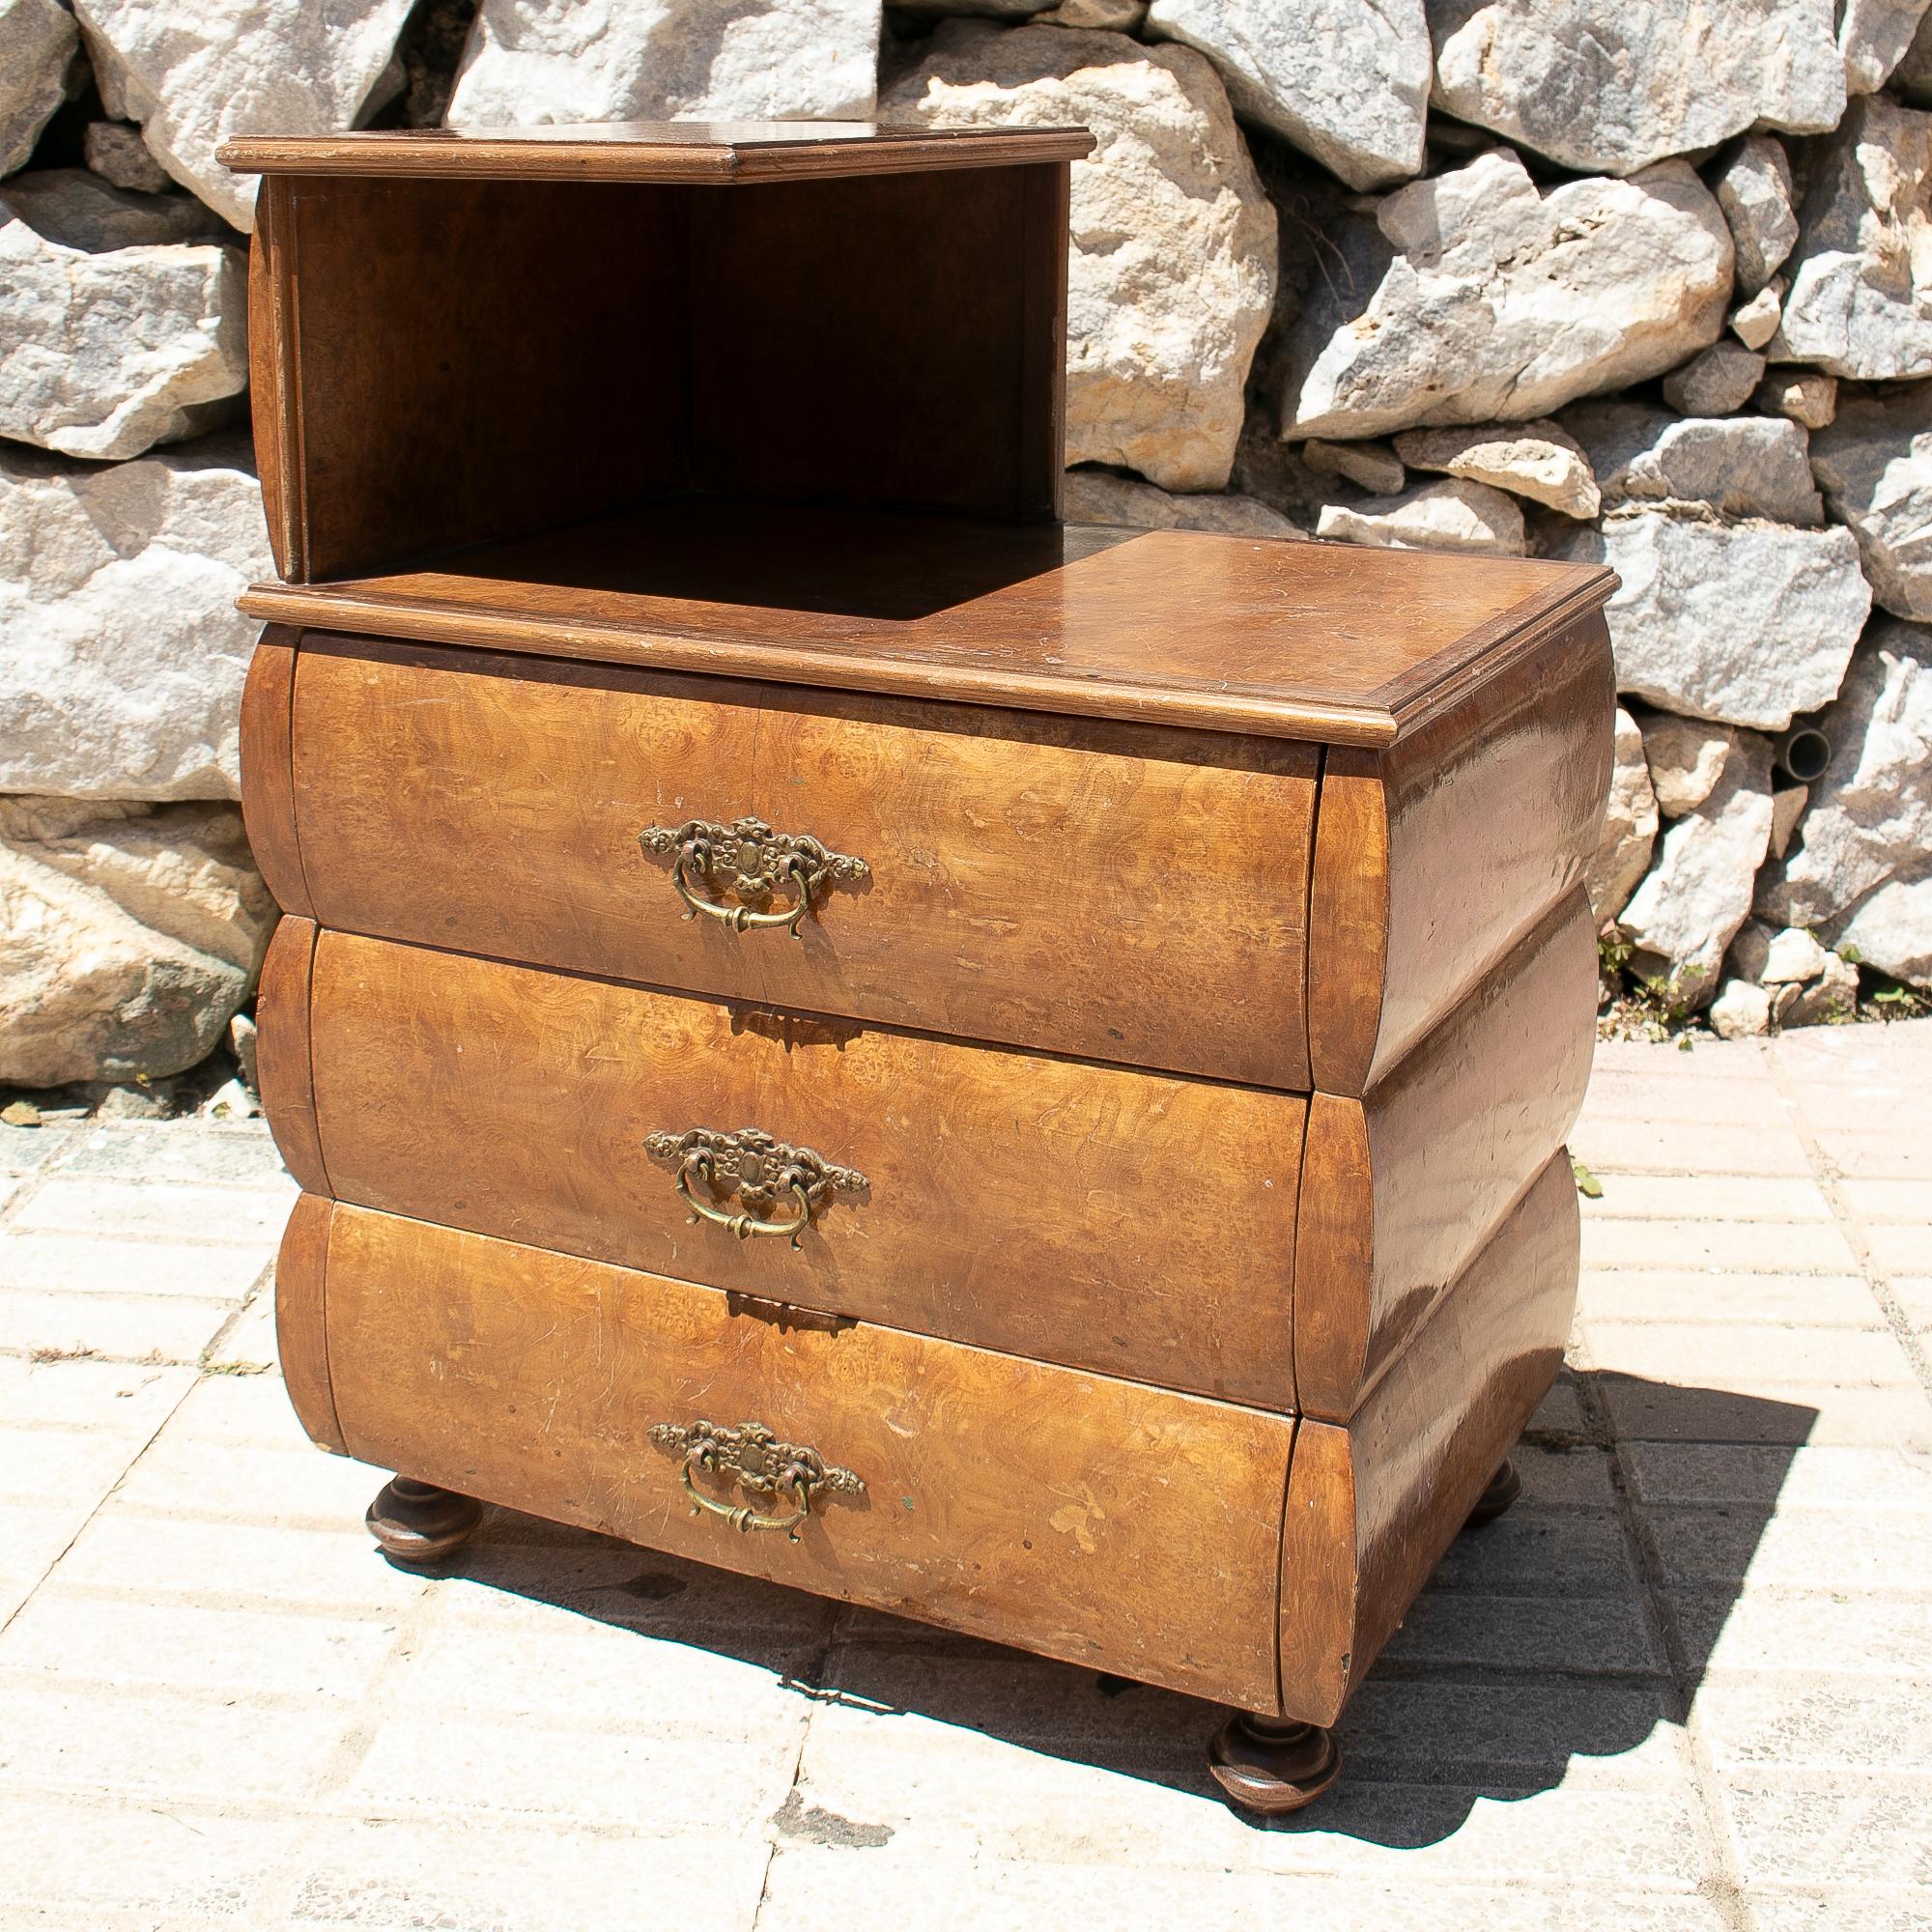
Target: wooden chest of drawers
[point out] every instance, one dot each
(833, 1025)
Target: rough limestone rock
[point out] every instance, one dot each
(1686, 759)
(1455, 514)
(1755, 321)
(1372, 467)
(1096, 496)
(1860, 301)
(1874, 465)
(1734, 466)
(1873, 36)
(117, 153)
(1755, 192)
(670, 59)
(1685, 912)
(115, 328)
(122, 654)
(37, 44)
(1494, 301)
(1803, 395)
(1344, 81)
(1740, 1011)
(1791, 957)
(1172, 265)
(1629, 826)
(1539, 461)
(1830, 999)
(1744, 624)
(1116, 17)
(192, 75)
(1862, 877)
(1604, 86)
(1913, 75)
(1787, 808)
(129, 936)
(1717, 382)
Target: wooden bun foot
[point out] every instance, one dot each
(1272, 1766)
(417, 1522)
(1505, 1486)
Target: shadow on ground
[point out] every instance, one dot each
(1573, 1626)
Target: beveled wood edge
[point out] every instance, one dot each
(1443, 680)
(445, 154)
(1349, 909)
(268, 768)
(284, 1066)
(274, 377)
(314, 606)
(1347, 1603)
(301, 1320)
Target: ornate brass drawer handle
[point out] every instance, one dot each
(756, 1459)
(762, 1170)
(760, 862)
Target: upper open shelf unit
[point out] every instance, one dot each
(457, 338)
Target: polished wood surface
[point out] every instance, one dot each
(1434, 859)
(713, 153)
(282, 1061)
(1400, 1188)
(1373, 1503)
(302, 1335)
(1334, 642)
(272, 377)
(1121, 1221)
(493, 803)
(267, 769)
(1120, 1527)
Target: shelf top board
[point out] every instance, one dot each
(1336, 642)
(721, 152)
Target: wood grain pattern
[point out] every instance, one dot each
(1373, 1504)
(1119, 1221)
(274, 377)
(283, 1062)
(1060, 884)
(1333, 643)
(1400, 1188)
(718, 154)
(301, 1331)
(1433, 860)
(1117, 1526)
(268, 789)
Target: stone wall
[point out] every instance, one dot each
(1649, 286)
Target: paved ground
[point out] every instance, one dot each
(1687, 1684)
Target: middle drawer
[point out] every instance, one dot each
(1136, 1224)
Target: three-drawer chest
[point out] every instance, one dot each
(833, 1024)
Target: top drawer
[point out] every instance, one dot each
(1110, 890)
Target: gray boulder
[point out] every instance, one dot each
(1860, 301)
(1874, 465)
(1475, 298)
(1629, 825)
(129, 936)
(39, 42)
(1344, 81)
(117, 328)
(1734, 467)
(194, 74)
(1754, 189)
(1862, 876)
(1873, 36)
(1604, 86)
(1744, 624)
(125, 655)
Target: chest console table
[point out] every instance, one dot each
(835, 1025)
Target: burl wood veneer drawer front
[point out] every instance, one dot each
(1112, 1524)
(1115, 892)
(1128, 1222)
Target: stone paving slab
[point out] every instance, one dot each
(1686, 1682)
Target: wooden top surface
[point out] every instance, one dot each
(1331, 641)
(721, 152)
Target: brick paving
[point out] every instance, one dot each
(1686, 1683)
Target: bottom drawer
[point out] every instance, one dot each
(1111, 1525)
